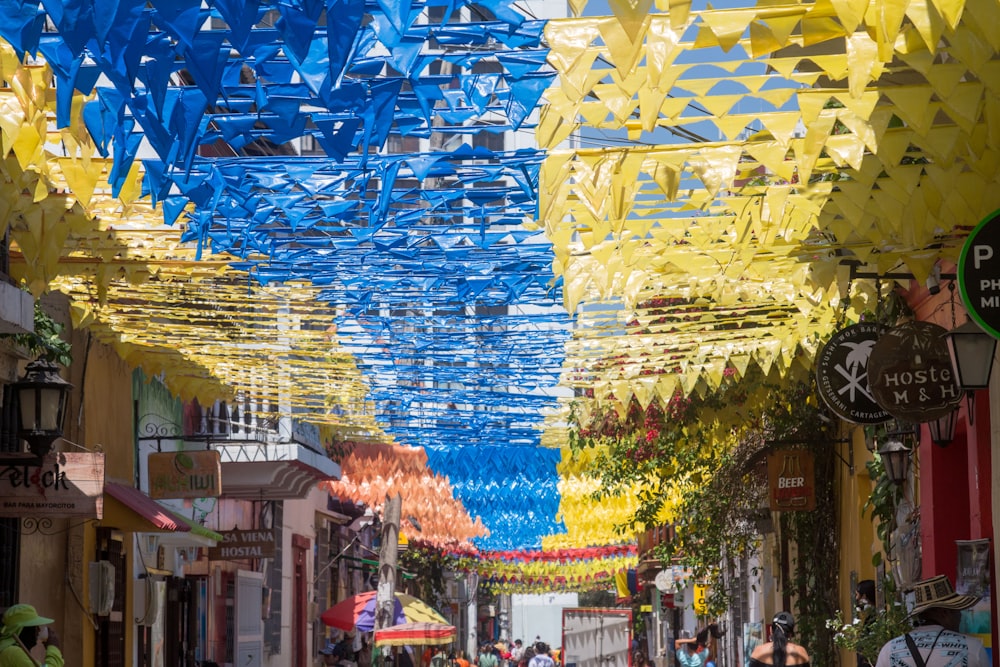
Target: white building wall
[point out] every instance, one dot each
(539, 617)
(299, 518)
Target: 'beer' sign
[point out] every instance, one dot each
(791, 482)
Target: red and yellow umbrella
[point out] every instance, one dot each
(357, 612)
(415, 634)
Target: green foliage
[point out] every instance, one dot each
(46, 341)
(881, 505)
(813, 576)
(885, 496)
(597, 598)
(716, 472)
(870, 630)
(430, 567)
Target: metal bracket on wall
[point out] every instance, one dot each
(849, 461)
(858, 271)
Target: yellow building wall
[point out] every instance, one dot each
(55, 557)
(858, 541)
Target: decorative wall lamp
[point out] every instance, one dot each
(896, 461)
(41, 398)
(972, 351)
(943, 428)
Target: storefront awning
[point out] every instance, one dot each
(269, 471)
(130, 509)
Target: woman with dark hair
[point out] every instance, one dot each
(780, 651)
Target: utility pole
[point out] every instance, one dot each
(385, 596)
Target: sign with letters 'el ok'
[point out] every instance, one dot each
(66, 484)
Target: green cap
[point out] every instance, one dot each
(23, 616)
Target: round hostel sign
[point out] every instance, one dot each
(911, 374)
(842, 374)
(979, 274)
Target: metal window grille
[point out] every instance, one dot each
(10, 528)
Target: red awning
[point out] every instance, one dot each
(147, 509)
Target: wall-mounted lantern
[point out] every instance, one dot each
(896, 461)
(972, 351)
(42, 395)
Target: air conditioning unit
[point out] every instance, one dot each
(147, 601)
(102, 587)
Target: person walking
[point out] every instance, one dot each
(516, 651)
(780, 651)
(487, 658)
(690, 651)
(935, 640)
(22, 629)
(440, 659)
(542, 657)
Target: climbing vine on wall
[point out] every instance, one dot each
(46, 340)
(813, 577)
(707, 474)
(425, 569)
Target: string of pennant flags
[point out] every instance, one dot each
(428, 285)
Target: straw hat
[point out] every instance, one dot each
(938, 592)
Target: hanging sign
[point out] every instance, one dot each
(188, 474)
(791, 484)
(911, 373)
(240, 544)
(67, 484)
(842, 374)
(979, 274)
(700, 599)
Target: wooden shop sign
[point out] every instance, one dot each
(911, 373)
(240, 544)
(187, 474)
(66, 484)
(843, 374)
(791, 484)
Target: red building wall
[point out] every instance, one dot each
(954, 481)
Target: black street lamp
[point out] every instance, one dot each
(896, 461)
(41, 398)
(943, 428)
(972, 351)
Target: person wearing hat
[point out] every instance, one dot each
(22, 629)
(780, 651)
(935, 640)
